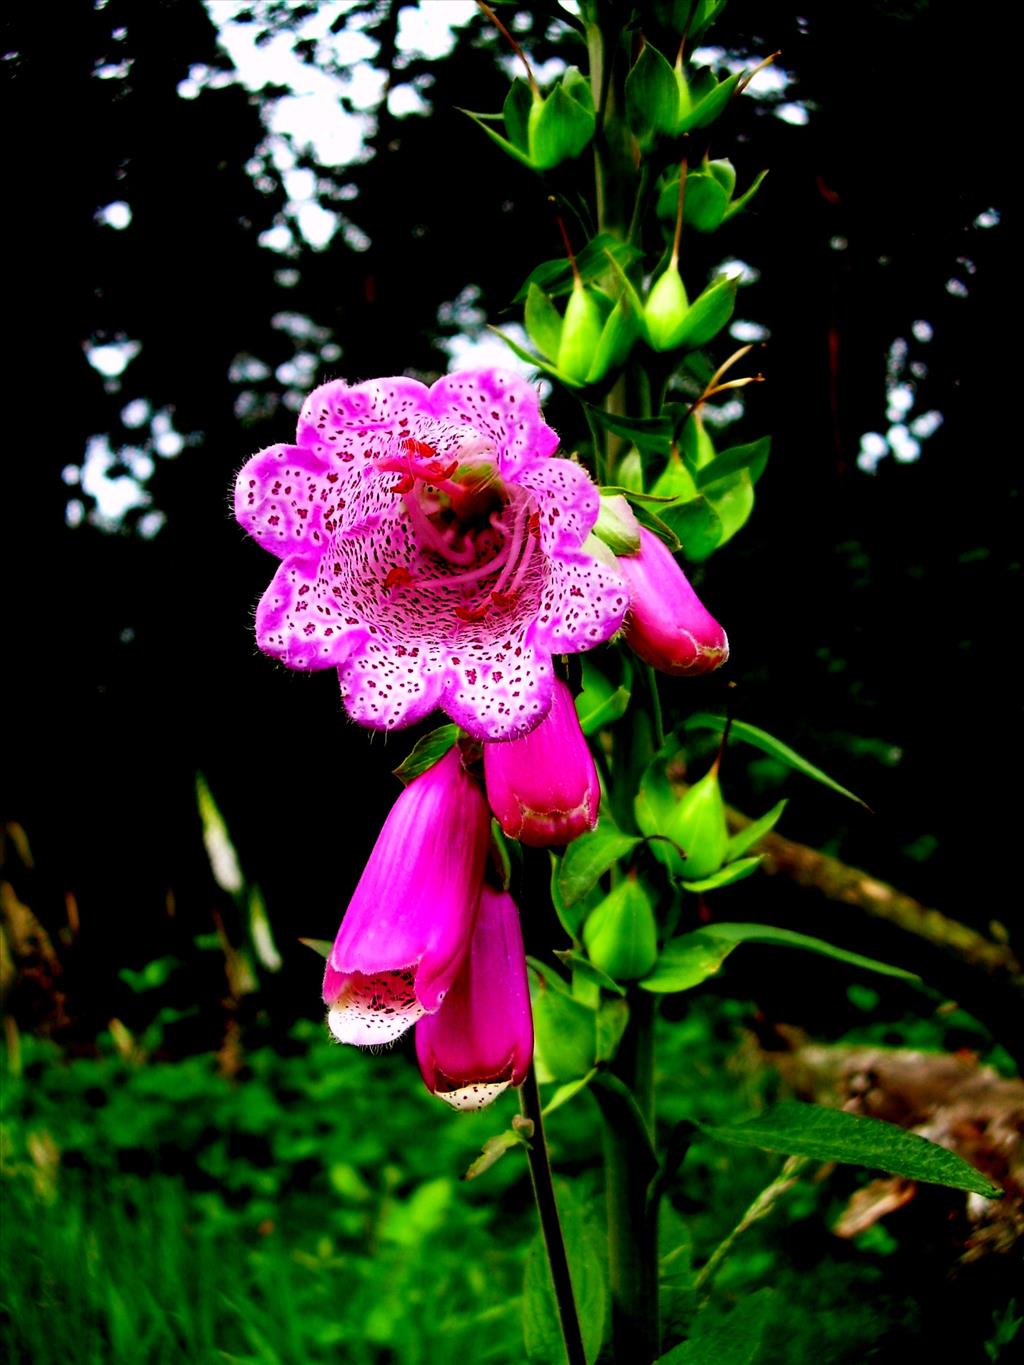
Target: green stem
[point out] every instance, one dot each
(659, 724)
(632, 1215)
(551, 1228)
(760, 1208)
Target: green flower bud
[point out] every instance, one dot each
(698, 826)
(616, 525)
(665, 311)
(652, 97)
(620, 934)
(561, 124)
(581, 332)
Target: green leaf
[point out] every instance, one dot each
(757, 829)
(725, 876)
(744, 199)
(502, 142)
(622, 328)
(752, 458)
(696, 524)
(426, 752)
(543, 323)
(584, 1250)
(556, 277)
(612, 1018)
(568, 1092)
(692, 958)
(707, 314)
(321, 946)
(768, 744)
(717, 1339)
(565, 1032)
(589, 857)
(835, 1135)
(687, 961)
(530, 358)
(578, 963)
(652, 96)
(600, 703)
(709, 108)
(733, 501)
(652, 434)
(493, 1150)
(516, 113)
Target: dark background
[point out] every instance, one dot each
(870, 616)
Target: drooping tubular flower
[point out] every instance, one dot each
(481, 1039)
(543, 788)
(431, 550)
(668, 625)
(409, 923)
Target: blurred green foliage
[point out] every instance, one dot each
(309, 1208)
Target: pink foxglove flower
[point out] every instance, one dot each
(668, 625)
(409, 924)
(481, 1039)
(431, 550)
(543, 788)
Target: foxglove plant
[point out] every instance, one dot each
(439, 555)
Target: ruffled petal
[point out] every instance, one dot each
(567, 501)
(499, 689)
(500, 406)
(386, 686)
(342, 423)
(287, 499)
(583, 604)
(300, 623)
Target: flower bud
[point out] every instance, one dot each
(616, 525)
(543, 788)
(481, 1039)
(581, 331)
(665, 310)
(667, 624)
(698, 826)
(620, 934)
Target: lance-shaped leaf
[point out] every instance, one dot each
(601, 702)
(426, 752)
(692, 958)
(706, 316)
(834, 1135)
(750, 458)
(768, 744)
(589, 857)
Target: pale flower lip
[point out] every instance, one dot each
(409, 923)
(431, 549)
(481, 1039)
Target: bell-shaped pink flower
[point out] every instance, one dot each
(431, 549)
(481, 1039)
(667, 624)
(409, 923)
(543, 788)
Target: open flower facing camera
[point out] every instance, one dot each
(431, 551)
